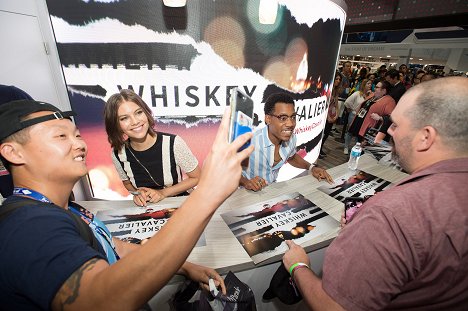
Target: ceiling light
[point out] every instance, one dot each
(175, 3)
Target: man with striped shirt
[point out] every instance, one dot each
(275, 144)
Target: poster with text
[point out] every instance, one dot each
(355, 184)
(136, 224)
(262, 228)
(184, 62)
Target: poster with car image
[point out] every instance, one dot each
(263, 227)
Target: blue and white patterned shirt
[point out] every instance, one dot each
(262, 158)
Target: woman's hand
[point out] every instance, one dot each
(144, 195)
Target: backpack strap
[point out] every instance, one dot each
(83, 229)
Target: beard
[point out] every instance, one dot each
(398, 154)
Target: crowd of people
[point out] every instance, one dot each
(405, 248)
(358, 91)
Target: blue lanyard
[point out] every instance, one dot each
(82, 212)
(20, 191)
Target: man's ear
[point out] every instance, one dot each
(267, 119)
(425, 138)
(11, 151)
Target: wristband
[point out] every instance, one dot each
(311, 167)
(297, 268)
(297, 264)
(135, 192)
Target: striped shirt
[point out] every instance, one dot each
(262, 158)
(164, 162)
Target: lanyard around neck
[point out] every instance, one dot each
(32, 194)
(87, 217)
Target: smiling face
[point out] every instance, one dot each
(278, 130)
(55, 151)
(133, 121)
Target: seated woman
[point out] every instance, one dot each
(151, 164)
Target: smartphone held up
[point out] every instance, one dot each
(241, 115)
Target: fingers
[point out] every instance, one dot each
(240, 141)
(220, 283)
(256, 184)
(139, 200)
(329, 178)
(290, 243)
(222, 135)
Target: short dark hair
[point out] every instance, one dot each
(393, 73)
(276, 98)
(111, 118)
(385, 85)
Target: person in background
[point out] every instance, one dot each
(275, 144)
(55, 268)
(346, 86)
(150, 163)
(332, 114)
(417, 255)
(417, 77)
(428, 76)
(353, 104)
(383, 106)
(381, 73)
(372, 77)
(398, 89)
(9, 93)
(403, 69)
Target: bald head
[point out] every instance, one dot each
(442, 104)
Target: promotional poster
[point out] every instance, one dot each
(262, 228)
(137, 224)
(184, 62)
(355, 184)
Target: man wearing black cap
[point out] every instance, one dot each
(9, 93)
(407, 247)
(45, 261)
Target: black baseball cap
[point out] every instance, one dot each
(283, 287)
(12, 114)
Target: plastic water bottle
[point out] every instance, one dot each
(354, 156)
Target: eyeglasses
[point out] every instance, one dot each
(284, 117)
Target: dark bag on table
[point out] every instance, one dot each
(239, 296)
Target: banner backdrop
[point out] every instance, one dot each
(184, 61)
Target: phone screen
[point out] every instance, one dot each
(352, 205)
(241, 116)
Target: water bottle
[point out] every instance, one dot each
(354, 156)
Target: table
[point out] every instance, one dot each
(224, 253)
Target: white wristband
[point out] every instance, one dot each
(311, 167)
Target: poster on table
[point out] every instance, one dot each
(262, 228)
(136, 224)
(184, 61)
(355, 184)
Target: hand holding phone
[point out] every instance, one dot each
(241, 116)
